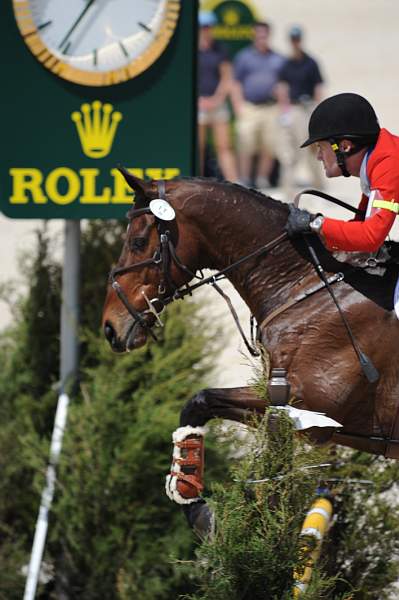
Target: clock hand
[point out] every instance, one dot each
(76, 23)
(144, 26)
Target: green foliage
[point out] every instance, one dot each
(114, 521)
(28, 372)
(255, 549)
(113, 533)
(363, 545)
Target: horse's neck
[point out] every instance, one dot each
(267, 284)
(243, 225)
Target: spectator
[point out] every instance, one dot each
(298, 90)
(256, 69)
(215, 82)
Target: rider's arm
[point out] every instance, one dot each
(358, 236)
(368, 235)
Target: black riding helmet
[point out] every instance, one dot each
(344, 116)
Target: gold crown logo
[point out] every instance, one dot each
(231, 17)
(96, 126)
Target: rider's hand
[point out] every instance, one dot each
(298, 221)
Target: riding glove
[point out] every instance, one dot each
(298, 221)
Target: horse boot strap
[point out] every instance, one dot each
(185, 481)
(189, 461)
(192, 452)
(190, 481)
(191, 474)
(189, 443)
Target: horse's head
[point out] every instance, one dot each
(158, 257)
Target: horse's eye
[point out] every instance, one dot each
(138, 243)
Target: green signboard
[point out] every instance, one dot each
(83, 92)
(235, 22)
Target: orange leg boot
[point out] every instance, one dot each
(184, 484)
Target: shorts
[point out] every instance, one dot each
(257, 128)
(221, 114)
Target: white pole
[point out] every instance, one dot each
(46, 499)
(69, 368)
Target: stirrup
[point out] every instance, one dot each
(184, 484)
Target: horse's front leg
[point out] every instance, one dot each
(185, 482)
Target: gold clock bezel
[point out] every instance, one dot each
(139, 64)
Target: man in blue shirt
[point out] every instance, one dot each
(256, 70)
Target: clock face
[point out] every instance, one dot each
(97, 42)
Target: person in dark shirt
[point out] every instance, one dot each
(214, 87)
(298, 90)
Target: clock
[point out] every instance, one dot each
(97, 42)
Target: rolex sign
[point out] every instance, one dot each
(77, 103)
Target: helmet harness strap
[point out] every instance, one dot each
(340, 156)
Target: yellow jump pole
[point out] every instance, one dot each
(314, 528)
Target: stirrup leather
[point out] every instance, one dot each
(184, 484)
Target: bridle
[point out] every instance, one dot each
(163, 257)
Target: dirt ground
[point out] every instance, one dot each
(357, 45)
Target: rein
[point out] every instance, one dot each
(332, 199)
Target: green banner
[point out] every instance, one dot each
(235, 22)
(75, 106)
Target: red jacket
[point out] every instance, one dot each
(383, 175)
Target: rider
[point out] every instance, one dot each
(350, 142)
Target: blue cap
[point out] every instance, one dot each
(296, 32)
(207, 18)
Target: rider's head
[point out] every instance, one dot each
(345, 124)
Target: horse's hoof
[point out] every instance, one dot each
(201, 519)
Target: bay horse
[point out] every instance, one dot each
(215, 225)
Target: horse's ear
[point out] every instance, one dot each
(140, 187)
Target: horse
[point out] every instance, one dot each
(218, 226)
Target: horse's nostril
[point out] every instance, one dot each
(109, 332)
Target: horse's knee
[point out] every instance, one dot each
(196, 411)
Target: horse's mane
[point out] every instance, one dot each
(253, 193)
(236, 188)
